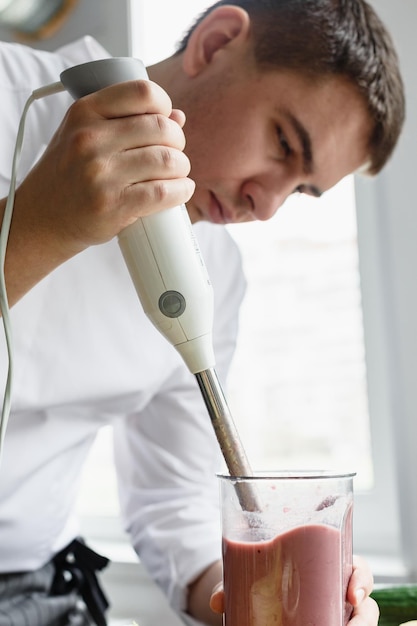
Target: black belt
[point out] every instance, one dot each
(75, 570)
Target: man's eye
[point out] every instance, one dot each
(283, 142)
(309, 190)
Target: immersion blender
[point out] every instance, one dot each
(171, 280)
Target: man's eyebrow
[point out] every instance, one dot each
(307, 150)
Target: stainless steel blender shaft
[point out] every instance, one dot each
(228, 438)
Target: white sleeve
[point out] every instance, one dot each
(23, 69)
(167, 457)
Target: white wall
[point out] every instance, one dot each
(387, 218)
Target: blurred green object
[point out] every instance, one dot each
(397, 604)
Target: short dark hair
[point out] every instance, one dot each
(319, 38)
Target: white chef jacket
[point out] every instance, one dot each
(85, 356)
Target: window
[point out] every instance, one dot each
(298, 381)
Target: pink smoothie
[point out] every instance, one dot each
(294, 579)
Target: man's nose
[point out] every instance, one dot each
(266, 198)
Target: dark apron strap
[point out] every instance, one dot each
(64, 592)
(75, 570)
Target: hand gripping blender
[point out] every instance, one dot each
(171, 280)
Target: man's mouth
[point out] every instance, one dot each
(217, 212)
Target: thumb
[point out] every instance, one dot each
(217, 599)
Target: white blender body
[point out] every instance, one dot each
(169, 274)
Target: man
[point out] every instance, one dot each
(266, 116)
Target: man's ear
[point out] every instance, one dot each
(224, 26)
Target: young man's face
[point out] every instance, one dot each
(253, 139)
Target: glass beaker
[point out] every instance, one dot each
(288, 563)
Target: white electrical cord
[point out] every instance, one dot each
(47, 90)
